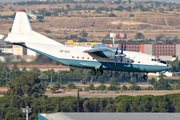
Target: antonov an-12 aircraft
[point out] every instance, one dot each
(97, 58)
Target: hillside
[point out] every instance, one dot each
(151, 23)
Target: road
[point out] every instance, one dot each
(112, 94)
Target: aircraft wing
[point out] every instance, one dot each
(99, 49)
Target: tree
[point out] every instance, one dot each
(112, 15)
(131, 15)
(139, 36)
(114, 81)
(70, 85)
(27, 84)
(83, 34)
(47, 31)
(91, 87)
(129, 1)
(124, 87)
(101, 79)
(135, 87)
(113, 88)
(101, 87)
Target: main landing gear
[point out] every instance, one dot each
(145, 76)
(98, 72)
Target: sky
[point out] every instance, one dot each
(172, 1)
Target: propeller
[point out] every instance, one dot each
(123, 48)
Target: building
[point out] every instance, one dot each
(18, 50)
(56, 68)
(163, 51)
(109, 116)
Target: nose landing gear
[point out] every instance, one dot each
(145, 77)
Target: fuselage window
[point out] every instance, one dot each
(77, 57)
(72, 56)
(138, 61)
(82, 57)
(88, 58)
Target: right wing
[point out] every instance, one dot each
(99, 49)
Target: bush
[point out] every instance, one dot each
(91, 87)
(113, 88)
(135, 87)
(71, 85)
(101, 87)
(112, 15)
(124, 87)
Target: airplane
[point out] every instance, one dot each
(97, 58)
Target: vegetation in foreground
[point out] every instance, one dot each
(28, 90)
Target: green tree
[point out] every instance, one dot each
(47, 31)
(70, 85)
(135, 87)
(129, 1)
(91, 87)
(101, 87)
(27, 84)
(83, 34)
(124, 87)
(114, 81)
(112, 15)
(139, 36)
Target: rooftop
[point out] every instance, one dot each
(110, 116)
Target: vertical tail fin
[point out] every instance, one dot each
(22, 32)
(21, 23)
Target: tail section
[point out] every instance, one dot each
(21, 23)
(22, 33)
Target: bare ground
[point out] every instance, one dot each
(112, 94)
(151, 24)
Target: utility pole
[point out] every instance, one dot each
(78, 101)
(51, 77)
(26, 110)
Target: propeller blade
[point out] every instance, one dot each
(116, 51)
(121, 58)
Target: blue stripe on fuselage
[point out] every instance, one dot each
(104, 65)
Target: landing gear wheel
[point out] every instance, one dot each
(99, 72)
(93, 72)
(145, 77)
